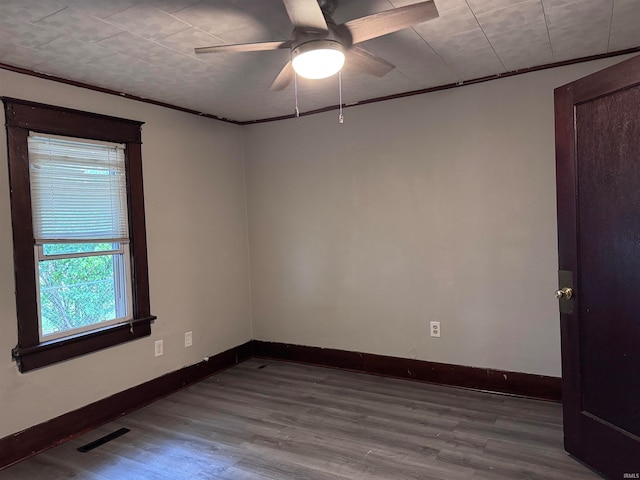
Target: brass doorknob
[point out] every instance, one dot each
(565, 292)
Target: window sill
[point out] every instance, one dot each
(54, 351)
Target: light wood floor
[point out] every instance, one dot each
(275, 420)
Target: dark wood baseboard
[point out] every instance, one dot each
(514, 383)
(38, 438)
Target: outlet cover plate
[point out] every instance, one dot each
(434, 328)
(188, 339)
(159, 348)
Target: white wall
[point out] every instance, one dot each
(197, 246)
(438, 207)
(433, 207)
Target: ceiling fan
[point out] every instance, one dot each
(318, 45)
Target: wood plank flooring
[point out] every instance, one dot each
(265, 419)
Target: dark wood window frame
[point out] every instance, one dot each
(23, 117)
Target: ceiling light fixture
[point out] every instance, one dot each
(318, 58)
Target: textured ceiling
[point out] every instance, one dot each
(145, 47)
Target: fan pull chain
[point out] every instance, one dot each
(295, 89)
(340, 116)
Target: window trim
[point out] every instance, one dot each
(21, 117)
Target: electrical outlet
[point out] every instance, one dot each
(188, 339)
(159, 348)
(435, 329)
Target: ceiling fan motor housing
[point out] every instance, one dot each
(328, 6)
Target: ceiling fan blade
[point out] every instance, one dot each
(390, 21)
(284, 78)
(306, 15)
(244, 47)
(366, 62)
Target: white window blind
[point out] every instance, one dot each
(78, 190)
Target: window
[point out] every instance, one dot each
(81, 233)
(78, 228)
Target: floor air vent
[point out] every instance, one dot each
(101, 441)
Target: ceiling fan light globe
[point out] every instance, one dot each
(318, 59)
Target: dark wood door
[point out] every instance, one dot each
(598, 186)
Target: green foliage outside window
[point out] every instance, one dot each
(76, 292)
